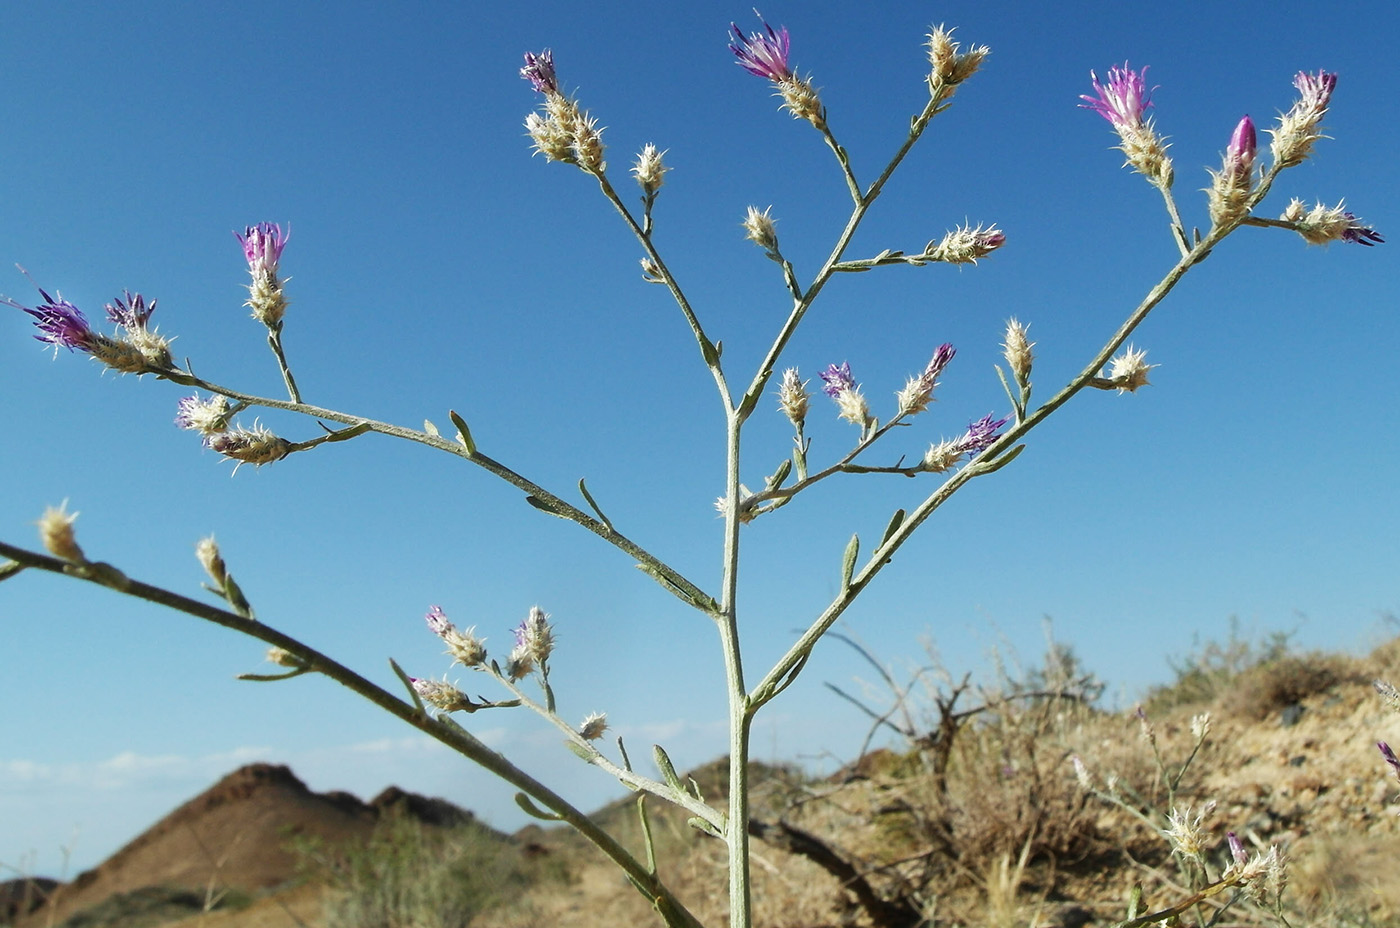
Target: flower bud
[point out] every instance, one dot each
(1301, 126)
(949, 65)
(793, 397)
(593, 726)
(536, 635)
(257, 446)
(204, 416)
(1322, 225)
(1017, 351)
(759, 229)
(442, 695)
(56, 533)
(1228, 194)
(262, 247)
(207, 551)
(918, 392)
(965, 245)
(1128, 371)
(464, 646)
(649, 171)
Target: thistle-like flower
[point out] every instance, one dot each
(1322, 225)
(133, 313)
(442, 695)
(1301, 126)
(842, 388)
(759, 228)
(262, 247)
(539, 71)
(464, 646)
(57, 535)
(766, 55)
(204, 416)
(257, 445)
(1186, 831)
(649, 171)
(918, 391)
(1228, 194)
(536, 635)
(60, 324)
(593, 726)
(979, 435)
(747, 512)
(793, 397)
(1127, 372)
(949, 65)
(1123, 100)
(966, 244)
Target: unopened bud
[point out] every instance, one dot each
(965, 245)
(207, 550)
(793, 397)
(464, 646)
(649, 170)
(593, 726)
(759, 228)
(950, 65)
(442, 695)
(1017, 351)
(257, 446)
(56, 533)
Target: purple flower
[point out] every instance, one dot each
(1243, 142)
(262, 246)
(1316, 89)
(60, 323)
(1360, 234)
(982, 433)
(539, 71)
(837, 379)
(765, 56)
(133, 313)
(438, 621)
(1389, 756)
(1122, 98)
(1237, 850)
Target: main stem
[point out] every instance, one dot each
(737, 827)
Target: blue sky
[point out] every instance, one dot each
(435, 264)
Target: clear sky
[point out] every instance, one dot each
(435, 264)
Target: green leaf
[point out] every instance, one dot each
(408, 685)
(542, 506)
(1000, 462)
(699, 824)
(582, 488)
(464, 434)
(896, 521)
(780, 474)
(668, 771)
(9, 569)
(528, 806)
(580, 751)
(273, 677)
(848, 562)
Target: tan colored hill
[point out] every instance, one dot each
(236, 835)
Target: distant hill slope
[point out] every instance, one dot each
(235, 835)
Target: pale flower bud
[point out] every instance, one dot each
(1081, 774)
(649, 170)
(1017, 351)
(56, 533)
(593, 726)
(1322, 225)
(1200, 726)
(535, 635)
(464, 646)
(966, 244)
(442, 695)
(1301, 126)
(1127, 372)
(203, 416)
(759, 229)
(1185, 830)
(207, 551)
(257, 446)
(793, 397)
(949, 65)
(284, 658)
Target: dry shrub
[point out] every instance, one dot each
(1270, 687)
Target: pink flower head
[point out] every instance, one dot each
(763, 55)
(1360, 233)
(1316, 89)
(981, 433)
(837, 379)
(1243, 142)
(539, 71)
(1122, 99)
(262, 246)
(131, 313)
(60, 323)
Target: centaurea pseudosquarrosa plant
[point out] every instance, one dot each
(563, 132)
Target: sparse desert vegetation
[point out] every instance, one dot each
(977, 815)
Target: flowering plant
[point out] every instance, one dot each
(563, 131)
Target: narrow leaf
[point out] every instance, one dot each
(582, 488)
(542, 506)
(848, 562)
(408, 685)
(699, 824)
(780, 474)
(9, 569)
(1000, 462)
(273, 677)
(580, 751)
(464, 434)
(431, 429)
(668, 771)
(896, 521)
(528, 806)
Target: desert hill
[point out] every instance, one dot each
(235, 834)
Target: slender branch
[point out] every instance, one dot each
(668, 577)
(274, 341)
(624, 774)
(449, 733)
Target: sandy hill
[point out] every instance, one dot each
(235, 834)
